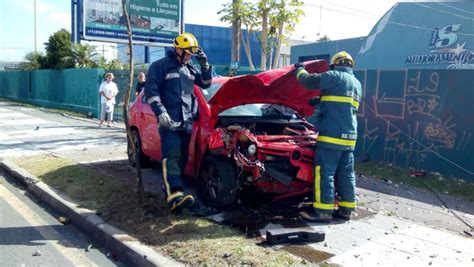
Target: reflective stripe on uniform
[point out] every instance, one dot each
(165, 176)
(171, 76)
(317, 192)
(300, 71)
(341, 99)
(154, 99)
(323, 206)
(317, 184)
(174, 195)
(346, 204)
(337, 141)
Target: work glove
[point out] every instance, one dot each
(202, 58)
(314, 101)
(165, 120)
(297, 66)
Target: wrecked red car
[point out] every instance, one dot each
(250, 133)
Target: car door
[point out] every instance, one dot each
(148, 127)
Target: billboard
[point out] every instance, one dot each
(154, 22)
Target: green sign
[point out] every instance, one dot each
(154, 22)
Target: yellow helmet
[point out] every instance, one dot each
(341, 57)
(187, 42)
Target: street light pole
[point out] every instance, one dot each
(36, 28)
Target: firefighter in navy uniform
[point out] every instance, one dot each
(337, 125)
(170, 92)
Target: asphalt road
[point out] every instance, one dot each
(26, 131)
(31, 235)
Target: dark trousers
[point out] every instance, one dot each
(174, 154)
(330, 163)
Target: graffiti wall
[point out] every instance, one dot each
(418, 118)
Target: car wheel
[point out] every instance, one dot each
(137, 154)
(218, 182)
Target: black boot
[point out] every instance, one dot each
(178, 201)
(343, 214)
(313, 216)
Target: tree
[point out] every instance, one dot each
(250, 21)
(59, 47)
(84, 55)
(115, 64)
(232, 13)
(126, 97)
(284, 20)
(263, 11)
(33, 61)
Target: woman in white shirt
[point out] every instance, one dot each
(107, 91)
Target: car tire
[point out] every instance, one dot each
(137, 154)
(218, 182)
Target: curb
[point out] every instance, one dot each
(116, 241)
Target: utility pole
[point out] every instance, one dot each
(36, 28)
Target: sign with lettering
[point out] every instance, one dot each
(445, 50)
(154, 22)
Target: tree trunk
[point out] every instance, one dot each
(236, 32)
(276, 59)
(270, 55)
(263, 41)
(248, 51)
(126, 97)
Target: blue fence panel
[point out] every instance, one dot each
(15, 84)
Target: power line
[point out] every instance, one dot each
(341, 11)
(462, 10)
(353, 9)
(13, 48)
(444, 11)
(391, 22)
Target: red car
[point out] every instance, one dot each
(250, 133)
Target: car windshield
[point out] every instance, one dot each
(250, 110)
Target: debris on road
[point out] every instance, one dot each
(37, 253)
(64, 220)
(280, 236)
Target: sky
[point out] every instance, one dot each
(338, 19)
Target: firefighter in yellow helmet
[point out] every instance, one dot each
(169, 90)
(337, 126)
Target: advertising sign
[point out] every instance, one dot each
(154, 22)
(445, 49)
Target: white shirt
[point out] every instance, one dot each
(110, 89)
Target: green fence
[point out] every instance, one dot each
(70, 89)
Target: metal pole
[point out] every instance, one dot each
(182, 28)
(36, 28)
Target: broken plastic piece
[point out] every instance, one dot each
(281, 236)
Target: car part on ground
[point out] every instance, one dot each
(281, 236)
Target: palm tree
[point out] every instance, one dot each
(83, 55)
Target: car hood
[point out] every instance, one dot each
(278, 86)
